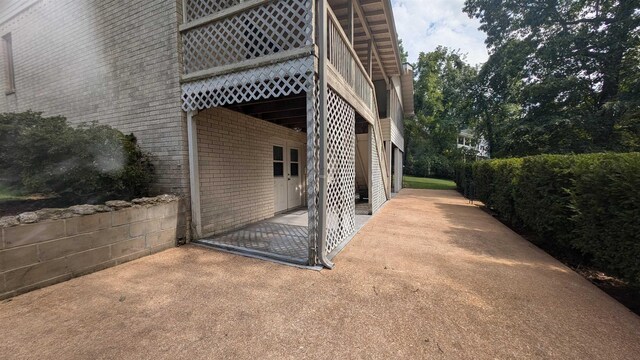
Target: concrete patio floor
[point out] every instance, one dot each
(283, 237)
(430, 276)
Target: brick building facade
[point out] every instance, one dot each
(249, 108)
(114, 62)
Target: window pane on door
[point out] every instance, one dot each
(294, 169)
(278, 153)
(294, 155)
(278, 169)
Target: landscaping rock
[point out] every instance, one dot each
(28, 218)
(7, 221)
(54, 213)
(102, 208)
(155, 200)
(83, 209)
(118, 204)
(143, 201)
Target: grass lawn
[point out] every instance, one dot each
(428, 183)
(14, 202)
(8, 194)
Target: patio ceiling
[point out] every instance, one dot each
(289, 111)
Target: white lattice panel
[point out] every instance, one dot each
(341, 171)
(378, 195)
(281, 79)
(201, 8)
(313, 163)
(271, 28)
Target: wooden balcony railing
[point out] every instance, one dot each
(345, 61)
(396, 111)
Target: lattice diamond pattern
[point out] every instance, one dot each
(290, 77)
(378, 195)
(268, 29)
(341, 171)
(201, 8)
(268, 237)
(313, 163)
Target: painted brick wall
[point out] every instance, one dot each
(236, 169)
(114, 62)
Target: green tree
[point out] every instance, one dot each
(443, 106)
(562, 75)
(404, 55)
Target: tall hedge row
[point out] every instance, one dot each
(588, 203)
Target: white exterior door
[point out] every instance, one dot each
(287, 177)
(294, 180)
(279, 178)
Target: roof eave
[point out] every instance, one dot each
(388, 9)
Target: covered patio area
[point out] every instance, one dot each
(283, 237)
(282, 115)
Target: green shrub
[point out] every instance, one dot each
(432, 166)
(463, 177)
(483, 175)
(605, 199)
(505, 180)
(543, 201)
(91, 161)
(582, 206)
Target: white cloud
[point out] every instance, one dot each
(424, 24)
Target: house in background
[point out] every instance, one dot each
(468, 142)
(280, 120)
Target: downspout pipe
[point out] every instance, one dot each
(322, 118)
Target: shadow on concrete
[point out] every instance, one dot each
(491, 241)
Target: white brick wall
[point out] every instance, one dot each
(114, 62)
(236, 168)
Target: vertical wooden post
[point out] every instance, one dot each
(194, 175)
(370, 146)
(370, 58)
(323, 113)
(350, 21)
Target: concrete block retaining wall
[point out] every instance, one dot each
(53, 245)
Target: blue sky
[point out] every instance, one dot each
(424, 24)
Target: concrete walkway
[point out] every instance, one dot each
(428, 277)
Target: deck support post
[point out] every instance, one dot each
(398, 169)
(194, 176)
(370, 57)
(388, 145)
(350, 21)
(370, 147)
(322, 118)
